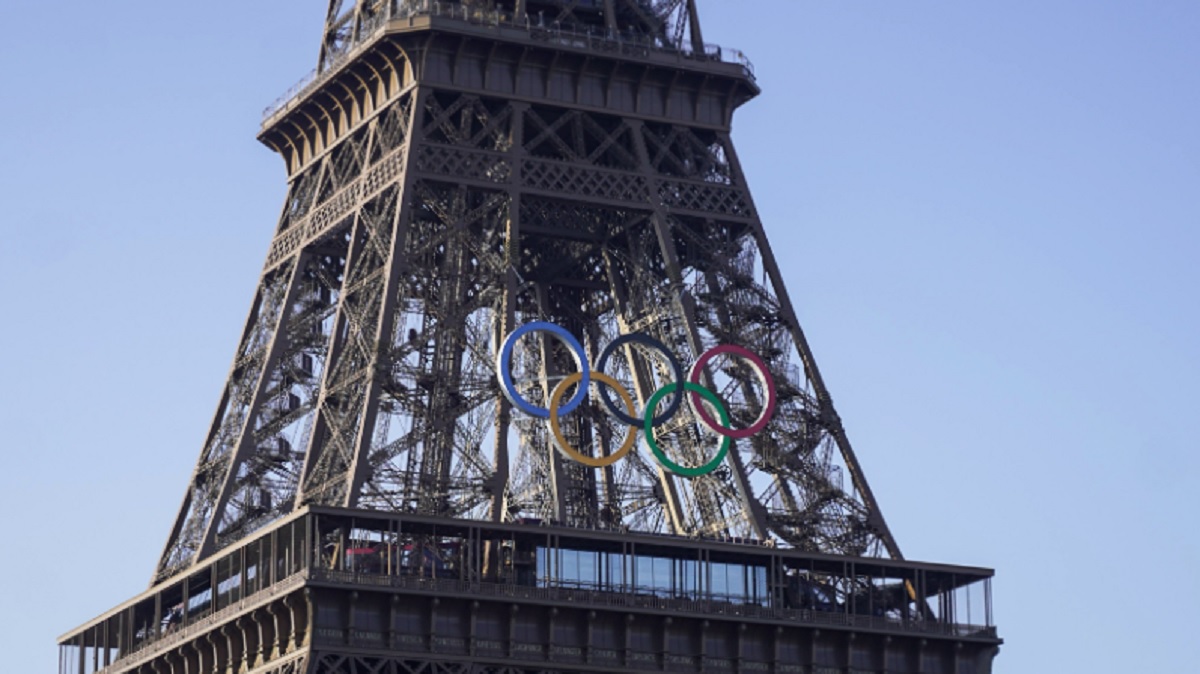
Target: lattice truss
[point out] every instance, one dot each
(365, 377)
(664, 24)
(250, 468)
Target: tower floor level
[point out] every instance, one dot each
(521, 389)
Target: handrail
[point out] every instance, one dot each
(177, 636)
(644, 601)
(706, 607)
(599, 41)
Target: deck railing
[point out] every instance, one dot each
(700, 607)
(624, 43)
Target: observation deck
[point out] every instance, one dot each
(531, 594)
(424, 15)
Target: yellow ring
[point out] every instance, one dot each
(564, 446)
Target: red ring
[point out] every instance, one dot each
(765, 377)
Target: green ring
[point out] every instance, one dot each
(661, 455)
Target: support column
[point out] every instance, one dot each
(281, 628)
(207, 652)
(250, 642)
(392, 628)
(234, 645)
(301, 619)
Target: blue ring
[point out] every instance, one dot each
(504, 369)
(676, 367)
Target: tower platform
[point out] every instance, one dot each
(350, 592)
(486, 199)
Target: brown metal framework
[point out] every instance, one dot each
(368, 501)
(456, 173)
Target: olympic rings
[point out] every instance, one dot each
(561, 441)
(648, 341)
(764, 378)
(504, 368)
(662, 456)
(688, 386)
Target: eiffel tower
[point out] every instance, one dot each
(380, 490)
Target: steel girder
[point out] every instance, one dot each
(425, 221)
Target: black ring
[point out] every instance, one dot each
(652, 343)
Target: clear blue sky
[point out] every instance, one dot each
(988, 211)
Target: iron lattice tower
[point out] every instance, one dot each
(458, 169)
(446, 186)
